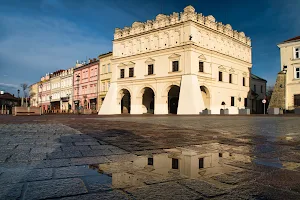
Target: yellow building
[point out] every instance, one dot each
(33, 93)
(290, 65)
(105, 76)
(179, 63)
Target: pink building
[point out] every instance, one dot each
(44, 93)
(85, 82)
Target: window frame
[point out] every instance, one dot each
(220, 76)
(175, 61)
(297, 51)
(244, 81)
(230, 78)
(201, 66)
(122, 72)
(254, 88)
(152, 70)
(131, 70)
(232, 101)
(297, 72)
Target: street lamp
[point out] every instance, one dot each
(78, 78)
(50, 97)
(18, 93)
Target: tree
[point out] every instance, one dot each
(269, 92)
(24, 87)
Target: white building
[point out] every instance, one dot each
(66, 89)
(181, 63)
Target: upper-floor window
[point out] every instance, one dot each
(254, 88)
(131, 72)
(220, 76)
(122, 73)
(108, 67)
(261, 89)
(175, 66)
(244, 82)
(297, 52)
(230, 78)
(297, 72)
(232, 101)
(150, 69)
(201, 67)
(103, 69)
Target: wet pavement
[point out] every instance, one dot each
(149, 157)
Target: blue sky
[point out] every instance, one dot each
(41, 36)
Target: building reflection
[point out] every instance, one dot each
(197, 161)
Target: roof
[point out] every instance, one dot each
(105, 54)
(7, 96)
(257, 78)
(294, 39)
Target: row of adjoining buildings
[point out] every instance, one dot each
(183, 63)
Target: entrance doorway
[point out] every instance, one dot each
(173, 97)
(148, 100)
(205, 96)
(125, 102)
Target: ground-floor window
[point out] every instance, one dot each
(297, 100)
(232, 101)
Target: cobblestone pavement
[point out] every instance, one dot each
(91, 157)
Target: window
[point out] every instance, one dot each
(103, 69)
(261, 89)
(174, 163)
(108, 67)
(296, 100)
(150, 161)
(122, 72)
(201, 163)
(201, 67)
(175, 65)
(103, 86)
(254, 88)
(232, 101)
(297, 52)
(220, 76)
(131, 72)
(245, 102)
(297, 72)
(244, 82)
(230, 78)
(150, 69)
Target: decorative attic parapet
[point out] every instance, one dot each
(188, 14)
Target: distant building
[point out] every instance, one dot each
(258, 93)
(104, 76)
(85, 80)
(66, 90)
(44, 88)
(286, 94)
(7, 102)
(33, 93)
(180, 63)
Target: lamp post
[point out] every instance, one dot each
(50, 97)
(18, 93)
(78, 78)
(41, 87)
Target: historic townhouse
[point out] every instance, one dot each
(85, 79)
(44, 87)
(33, 93)
(181, 63)
(105, 76)
(286, 93)
(258, 93)
(66, 90)
(55, 90)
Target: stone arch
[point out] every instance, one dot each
(124, 98)
(167, 87)
(148, 100)
(206, 96)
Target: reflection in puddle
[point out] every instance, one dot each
(198, 161)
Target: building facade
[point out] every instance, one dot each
(44, 87)
(104, 76)
(85, 80)
(286, 93)
(55, 79)
(258, 93)
(66, 90)
(182, 63)
(33, 93)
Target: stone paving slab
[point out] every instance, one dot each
(55, 188)
(163, 191)
(11, 191)
(103, 196)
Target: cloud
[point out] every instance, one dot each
(8, 85)
(35, 46)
